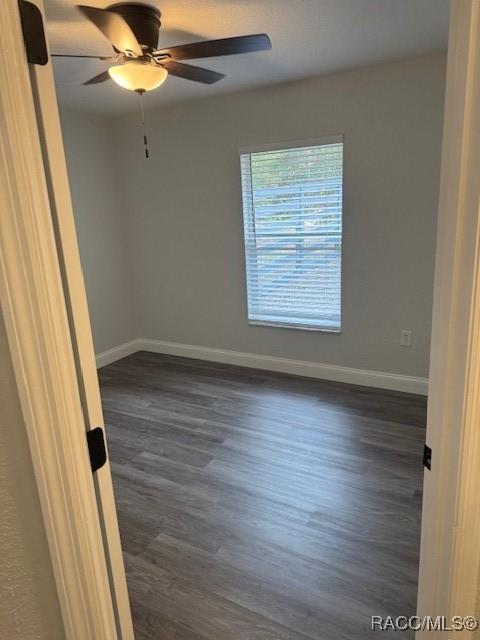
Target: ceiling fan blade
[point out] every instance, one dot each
(222, 47)
(113, 27)
(74, 55)
(102, 77)
(189, 72)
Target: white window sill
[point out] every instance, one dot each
(300, 327)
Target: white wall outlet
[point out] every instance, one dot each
(405, 338)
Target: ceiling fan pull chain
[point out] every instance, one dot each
(145, 141)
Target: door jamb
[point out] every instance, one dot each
(450, 552)
(34, 310)
(48, 119)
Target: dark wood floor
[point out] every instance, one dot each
(257, 506)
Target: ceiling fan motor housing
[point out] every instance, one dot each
(143, 20)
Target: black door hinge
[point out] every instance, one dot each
(96, 448)
(427, 457)
(33, 32)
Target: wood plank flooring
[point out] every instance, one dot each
(260, 506)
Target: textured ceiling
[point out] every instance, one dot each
(309, 37)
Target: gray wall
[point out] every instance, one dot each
(184, 208)
(100, 223)
(29, 608)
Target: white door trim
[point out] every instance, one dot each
(48, 119)
(35, 315)
(450, 553)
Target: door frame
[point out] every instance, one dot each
(49, 127)
(450, 551)
(49, 378)
(36, 211)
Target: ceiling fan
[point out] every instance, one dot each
(139, 65)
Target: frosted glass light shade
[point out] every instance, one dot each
(138, 76)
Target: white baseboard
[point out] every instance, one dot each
(391, 381)
(378, 379)
(117, 353)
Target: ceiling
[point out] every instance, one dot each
(309, 37)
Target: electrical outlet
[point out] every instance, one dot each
(405, 338)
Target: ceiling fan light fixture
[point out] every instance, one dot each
(137, 75)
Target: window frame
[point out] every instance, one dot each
(285, 146)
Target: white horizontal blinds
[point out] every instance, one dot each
(292, 206)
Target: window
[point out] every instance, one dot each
(292, 213)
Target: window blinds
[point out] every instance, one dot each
(292, 212)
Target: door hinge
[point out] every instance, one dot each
(33, 32)
(427, 457)
(96, 448)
